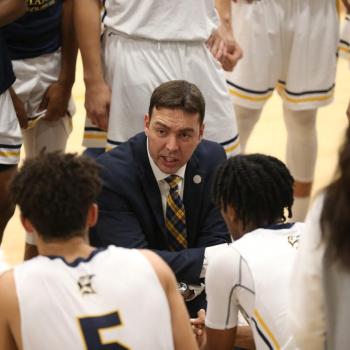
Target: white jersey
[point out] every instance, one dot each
(252, 276)
(112, 297)
(162, 20)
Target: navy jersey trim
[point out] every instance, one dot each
(77, 261)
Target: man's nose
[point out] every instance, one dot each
(172, 143)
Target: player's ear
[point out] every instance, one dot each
(27, 224)
(92, 215)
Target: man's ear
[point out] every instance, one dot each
(28, 226)
(146, 123)
(201, 131)
(92, 215)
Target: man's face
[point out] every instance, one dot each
(173, 135)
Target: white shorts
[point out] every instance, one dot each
(291, 44)
(10, 132)
(344, 42)
(135, 67)
(34, 76)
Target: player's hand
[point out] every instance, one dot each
(55, 101)
(20, 109)
(224, 48)
(198, 328)
(97, 103)
(347, 5)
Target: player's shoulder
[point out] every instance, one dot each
(161, 269)
(7, 289)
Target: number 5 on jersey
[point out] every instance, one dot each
(94, 329)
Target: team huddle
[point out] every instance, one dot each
(164, 234)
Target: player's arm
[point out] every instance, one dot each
(181, 328)
(88, 27)
(57, 96)
(9, 314)
(222, 43)
(10, 10)
(222, 312)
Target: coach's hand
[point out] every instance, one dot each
(55, 101)
(97, 103)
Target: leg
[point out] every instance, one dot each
(246, 120)
(7, 208)
(301, 156)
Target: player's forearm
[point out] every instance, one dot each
(87, 26)
(244, 338)
(69, 45)
(224, 11)
(10, 10)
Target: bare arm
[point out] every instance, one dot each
(10, 10)
(9, 314)
(222, 43)
(57, 96)
(182, 332)
(97, 95)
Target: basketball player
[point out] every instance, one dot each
(144, 45)
(291, 45)
(10, 134)
(252, 274)
(43, 51)
(74, 296)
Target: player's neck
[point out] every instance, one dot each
(70, 250)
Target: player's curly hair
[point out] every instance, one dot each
(55, 191)
(335, 220)
(257, 186)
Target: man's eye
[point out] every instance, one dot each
(185, 136)
(160, 131)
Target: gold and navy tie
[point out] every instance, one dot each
(175, 220)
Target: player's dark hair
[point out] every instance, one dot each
(257, 186)
(55, 191)
(335, 218)
(178, 94)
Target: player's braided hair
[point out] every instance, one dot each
(257, 186)
(55, 192)
(335, 220)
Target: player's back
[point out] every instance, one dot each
(111, 298)
(269, 254)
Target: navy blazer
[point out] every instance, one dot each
(131, 213)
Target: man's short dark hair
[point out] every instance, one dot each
(178, 94)
(257, 186)
(55, 191)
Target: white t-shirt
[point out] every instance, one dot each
(112, 297)
(162, 20)
(252, 276)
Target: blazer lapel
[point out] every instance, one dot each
(193, 193)
(149, 183)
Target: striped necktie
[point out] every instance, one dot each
(175, 220)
